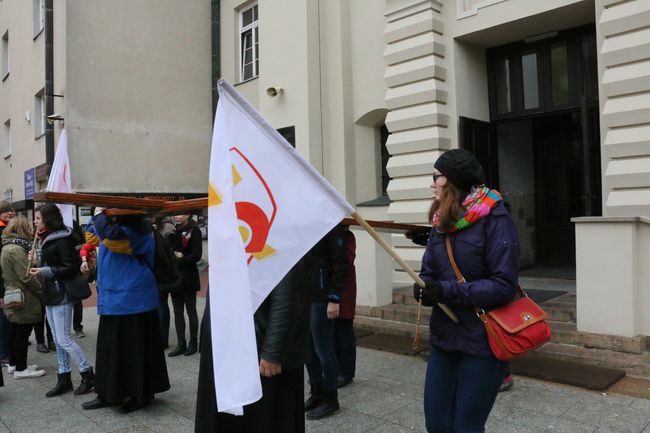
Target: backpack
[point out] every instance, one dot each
(165, 270)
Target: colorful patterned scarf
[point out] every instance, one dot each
(477, 205)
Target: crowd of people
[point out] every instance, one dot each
(306, 321)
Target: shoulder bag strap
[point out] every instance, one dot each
(450, 253)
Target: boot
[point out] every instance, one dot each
(315, 396)
(87, 382)
(191, 348)
(328, 405)
(51, 345)
(180, 349)
(63, 385)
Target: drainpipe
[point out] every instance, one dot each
(49, 82)
(216, 52)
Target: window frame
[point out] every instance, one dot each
(252, 27)
(39, 114)
(6, 139)
(38, 13)
(5, 55)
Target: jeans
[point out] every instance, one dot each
(19, 335)
(60, 319)
(346, 347)
(78, 316)
(459, 391)
(322, 365)
(4, 335)
(163, 316)
(180, 302)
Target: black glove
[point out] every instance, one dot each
(431, 294)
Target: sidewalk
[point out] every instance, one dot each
(386, 397)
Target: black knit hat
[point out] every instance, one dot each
(461, 168)
(6, 206)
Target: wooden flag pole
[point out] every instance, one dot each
(391, 251)
(31, 261)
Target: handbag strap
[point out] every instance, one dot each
(450, 253)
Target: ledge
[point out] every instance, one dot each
(611, 219)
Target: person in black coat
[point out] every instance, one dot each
(187, 242)
(282, 332)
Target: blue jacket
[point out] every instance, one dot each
(487, 255)
(125, 280)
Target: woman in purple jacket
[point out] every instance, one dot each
(463, 376)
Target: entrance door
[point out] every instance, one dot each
(557, 146)
(479, 138)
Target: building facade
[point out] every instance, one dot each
(553, 97)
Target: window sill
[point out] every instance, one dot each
(5, 77)
(247, 81)
(38, 34)
(383, 200)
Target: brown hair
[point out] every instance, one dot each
(448, 206)
(19, 226)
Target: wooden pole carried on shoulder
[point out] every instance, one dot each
(391, 251)
(31, 261)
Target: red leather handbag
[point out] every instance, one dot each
(513, 329)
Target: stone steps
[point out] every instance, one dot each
(567, 343)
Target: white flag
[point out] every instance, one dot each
(267, 208)
(59, 180)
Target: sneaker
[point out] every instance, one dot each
(27, 373)
(507, 383)
(12, 368)
(4, 362)
(79, 334)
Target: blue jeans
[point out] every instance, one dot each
(4, 335)
(322, 366)
(459, 391)
(346, 347)
(60, 319)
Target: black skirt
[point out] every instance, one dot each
(281, 409)
(130, 359)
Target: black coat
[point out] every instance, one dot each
(329, 266)
(59, 254)
(191, 255)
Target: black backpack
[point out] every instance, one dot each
(165, 270)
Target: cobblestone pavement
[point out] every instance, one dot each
(386, 397)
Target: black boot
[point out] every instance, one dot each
(63, 385)
(87, 382)
(180, 349)
(315, 396)
(191, 348)
(328, 405)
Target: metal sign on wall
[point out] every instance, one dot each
(30, 183)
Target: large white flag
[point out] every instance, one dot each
(267, 208)
(59, 180)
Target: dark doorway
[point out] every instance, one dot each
(479, 138)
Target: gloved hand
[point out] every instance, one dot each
(431, 294)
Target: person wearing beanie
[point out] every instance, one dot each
(463, 376)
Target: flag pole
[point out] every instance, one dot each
(391, 251)
(31, 261)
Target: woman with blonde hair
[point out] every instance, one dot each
(16, 241)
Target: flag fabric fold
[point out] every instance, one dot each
(59, 180)
(267, 207)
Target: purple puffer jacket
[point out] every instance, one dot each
(487, 255)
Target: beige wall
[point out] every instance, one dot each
(138, 100)
(17, 91)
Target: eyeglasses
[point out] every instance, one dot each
(437, 176)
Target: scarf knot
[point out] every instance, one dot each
(477, 205)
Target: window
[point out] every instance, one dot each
(39, 114)
(39, 16)
(5, 55)
(249, 51)
(531, 87)
(385, 156)
(503, 86)
(6, 142)
(559, 74)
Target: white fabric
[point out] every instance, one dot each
(59, 180)
(259, 185)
